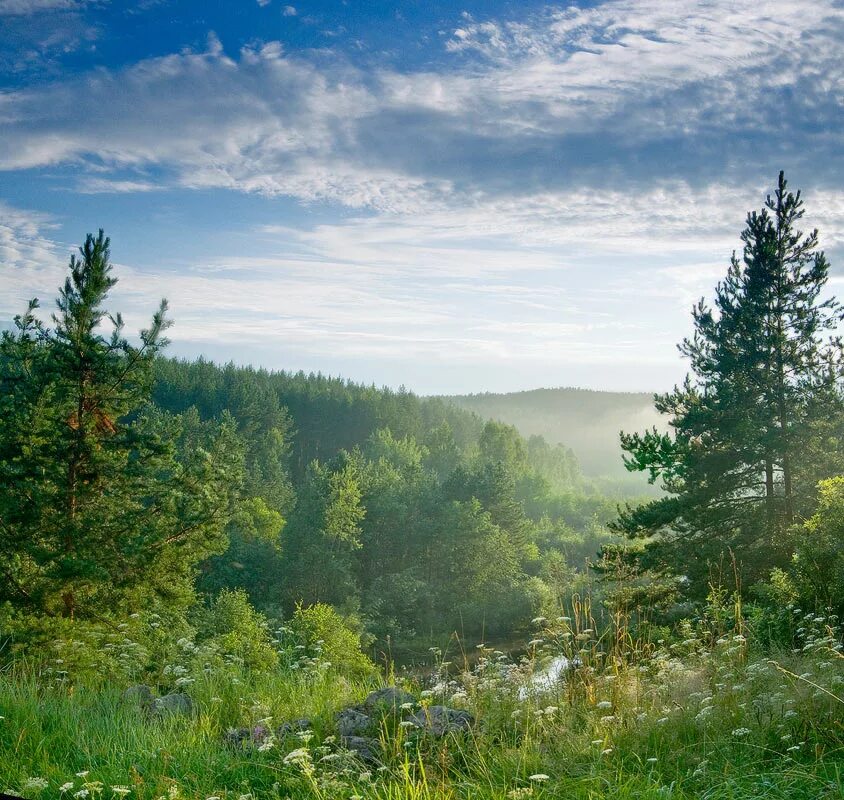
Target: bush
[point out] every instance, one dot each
(237, 629)
(320, 628)
(819, 555)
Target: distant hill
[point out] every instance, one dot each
(586, 421)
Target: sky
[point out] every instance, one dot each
(450, 196)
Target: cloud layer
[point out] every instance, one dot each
(500, 204)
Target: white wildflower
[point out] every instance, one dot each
(540, 777)
(739, 732)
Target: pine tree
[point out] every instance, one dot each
(100, 493)
(754, 424)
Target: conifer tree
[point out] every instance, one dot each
(754, 423)
(100, 493)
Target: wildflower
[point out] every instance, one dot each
(83, 774)
(535, 642)
(551, 710)
(598, 741)
(35, 784)
(652, 761)
(66, 787)
(739, 732)
(662, 721)
(540, 777)
(297, 756)
(120, 791)
(609, 719)
(793, 748)
(356, 797)
(538, 620)
(406, 724)
(604, 704)
(606, 752)
(82, 793)
(365, 777)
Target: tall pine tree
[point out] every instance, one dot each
(755, 424)
(100, 493)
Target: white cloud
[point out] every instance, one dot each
(629, 92)
(289, 11)
(26, 7)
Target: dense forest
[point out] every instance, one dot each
(193, 553)
(409, 514)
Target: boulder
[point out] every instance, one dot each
(365, 748)
(175, 703)
(441, 720)
(352, 723)
(388, 699)
(139, 695)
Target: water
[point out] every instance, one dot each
(546, 679)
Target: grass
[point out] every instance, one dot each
(712, 717)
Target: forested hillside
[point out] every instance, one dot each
(408, 513)
(586, 421)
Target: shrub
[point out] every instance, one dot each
(319, 627)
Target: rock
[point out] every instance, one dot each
(352, 723)
(440, 720)
(365, 748)
(388, 699)
(236, 737)
(296, 726)
(139, 695)
(175, 703)
(241, 737)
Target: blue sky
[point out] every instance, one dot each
(453, 197)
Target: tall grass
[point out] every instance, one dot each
(711, 714)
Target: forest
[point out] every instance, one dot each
(221, 581)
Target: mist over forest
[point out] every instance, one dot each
(584, 420)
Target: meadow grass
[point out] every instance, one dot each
(716, 718)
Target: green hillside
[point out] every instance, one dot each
(586, 421)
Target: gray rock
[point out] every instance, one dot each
(295, 726)
(139, 695)
(247, 737)
(236, 737)
(365, 748)
(175, 703)
(388, 699)
(352, 723)
(440, 720)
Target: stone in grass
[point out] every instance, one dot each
(364, 747)
(389, 699)
(351, 722)
(295, 726)
(139, 696)
(442, 720)
(177, 703)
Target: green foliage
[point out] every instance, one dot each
(101, 495)
(236, 629)
(320, 626)
(755, 426)
(819, 555)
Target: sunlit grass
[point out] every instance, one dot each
(712, 716)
